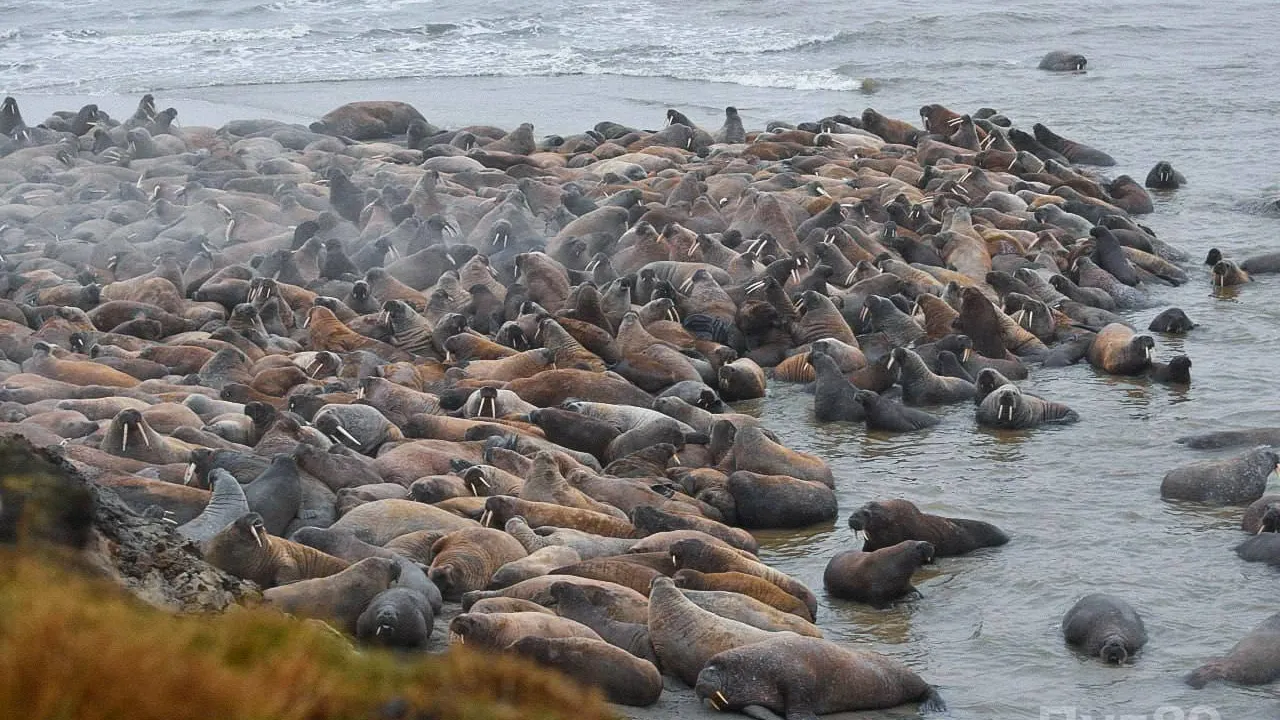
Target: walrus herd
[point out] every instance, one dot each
(376, 366)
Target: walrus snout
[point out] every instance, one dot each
(1113, 652)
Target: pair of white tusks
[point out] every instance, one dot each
(1002, 412)
(718, 700)
(258, 537)
(491, 404)
(485, 517)
(124, 438)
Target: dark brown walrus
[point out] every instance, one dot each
(888, 522)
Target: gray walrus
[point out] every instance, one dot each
(802, 678)
(1104, 626)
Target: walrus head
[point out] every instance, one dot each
(1006, 405)
(711, 685)
(1270, 520)
(1113, 651)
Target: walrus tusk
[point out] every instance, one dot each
(889, 365)
(966, 355)
(676, 457)
(485, 517)
(257, 538)
(720, 696)
(672, 315)
(343, 432)
(189, 474)
(360, 393)
(686, 286)
(145, 441)
(124, 439)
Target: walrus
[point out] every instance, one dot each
(1104, 626)
(879, 577)
(340, 597)
(1077, 153)
(1063, 61)
(466, 559)
(1226, 273)
(750, 678)
(400, 617)
(145, 444)
(575, 602)
(884, 414)
(380, 521)
(1009, 408)
(779, 501)
(1176, 372)
(627, 571)
(1237, 480)
(227, 505)
(1172, 321)
(750, 586)
(685, 636)
(834, 396)
(246, 550)
(368, 120)
(1164, 177)
(1267, 505)
(649, 520)
(624, 678)
(741, 379)
(921, 386)
(1231, 438)
(756, 452)
(497, 631)
(736, 606)
(501, 508)
(1255, 660)
(700, 556)
(1264, 546)
(886, 523)
(276, 494)
(1118, 351)
(340, 544)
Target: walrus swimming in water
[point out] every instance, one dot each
(1104, 626)
(1231, 481)
(1009, 408)
(802, 678)
(888, 522)
(1255, 660)
(1063, 61)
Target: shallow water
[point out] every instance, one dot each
(1186, 82)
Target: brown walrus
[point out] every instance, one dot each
(685, 636)
(878, 577)
(886, 523)
(624, 678)
(746, 585)
(1117, 350)
(340, 597)
(498, 630)
(706, 558)
(246, 550)
(465, 560)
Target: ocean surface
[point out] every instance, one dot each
(1189, 82)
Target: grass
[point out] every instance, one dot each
(77, 648)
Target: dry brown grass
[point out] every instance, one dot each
(72, 648)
